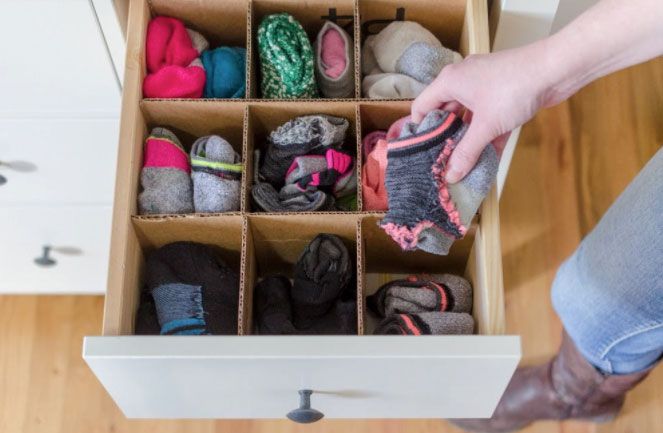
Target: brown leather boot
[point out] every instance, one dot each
(565, 387)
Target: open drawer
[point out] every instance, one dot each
(255, 376)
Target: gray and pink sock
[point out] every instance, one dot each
(165, 176)
(425, 212)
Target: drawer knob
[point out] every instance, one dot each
(45, 259)
(305, 414)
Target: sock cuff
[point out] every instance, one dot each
(422, 141)
(162, 152)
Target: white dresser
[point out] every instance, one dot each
(59, 118)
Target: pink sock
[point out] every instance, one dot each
(168, 43)
(333, 53)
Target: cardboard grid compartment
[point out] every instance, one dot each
(257, 243)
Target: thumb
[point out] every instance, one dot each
(467, 152)
(433, 97)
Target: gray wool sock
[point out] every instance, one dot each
(216, 174)
(415, 176)
(406, 47)
(420, 294)
(343, 86)
(180, 309)
(424, 62)
(165, 176)
(290, 199)
(430, 323)
(302, 135)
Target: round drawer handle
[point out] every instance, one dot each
(3, 180)
(45, 259)
(305, 414)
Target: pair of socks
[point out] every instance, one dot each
(334, 169)
(321, 300)
(189, 291)
(304, 135)
(422, 305)
(334, 62)
(425, 212)
(401, 60)
(302, 156)
(173, 185)
(217, 174)
(172, 55)
(225, 69)
(286, 59)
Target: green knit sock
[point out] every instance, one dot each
(286, 59)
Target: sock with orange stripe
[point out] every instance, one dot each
(431, 323)
(420, 294)
(424, 211)
(165, 175)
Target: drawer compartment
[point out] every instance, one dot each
(259, 376)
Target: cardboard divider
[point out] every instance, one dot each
(192, 119)
(264, 117)
(445, 19)
(311, 14)
(222, 23)
(384, 261)
(274, 243)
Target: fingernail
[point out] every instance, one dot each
(453, 175)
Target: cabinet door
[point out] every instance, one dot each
(54, 59)
(78, 236)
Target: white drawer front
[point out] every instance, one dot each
(259, 377)
(80, 237)
(54, 59)
(73, 161)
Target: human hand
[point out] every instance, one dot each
(495, 93)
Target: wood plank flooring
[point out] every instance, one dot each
(571, 163)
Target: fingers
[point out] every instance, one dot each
(467, 153)
(433, 96)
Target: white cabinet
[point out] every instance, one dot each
(54, 60)
(59, 119)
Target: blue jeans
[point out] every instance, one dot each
(609, 293)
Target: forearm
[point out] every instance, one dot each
(610, 36)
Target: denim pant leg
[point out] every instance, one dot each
(609, 293)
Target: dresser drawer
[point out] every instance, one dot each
(78, 238)
(68, 161)
(253, 376)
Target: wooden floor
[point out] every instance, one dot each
(571, 163)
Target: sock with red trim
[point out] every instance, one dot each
(431, 323)
(419, 294)
(424, 211)
(334, 170)
(165, 176)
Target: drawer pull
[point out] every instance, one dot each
(45, 259)
(305, 414)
